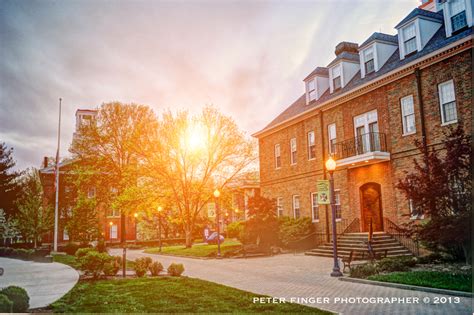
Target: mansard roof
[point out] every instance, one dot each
(380, 37)
(322, 71)
(423, 13)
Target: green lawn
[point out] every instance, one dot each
(197, 250)
(431, 279)
(165, 295)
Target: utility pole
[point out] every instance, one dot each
(56, 173)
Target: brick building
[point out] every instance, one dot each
(366, 108)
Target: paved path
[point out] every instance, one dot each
(44, 282)
(302, 276)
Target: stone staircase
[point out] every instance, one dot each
(346, 242)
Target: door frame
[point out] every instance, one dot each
(362, 221)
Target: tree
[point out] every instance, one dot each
(440, 187)
(192, 156)
(9, 188)
(34, 218)
(262, 224)
(8, 228)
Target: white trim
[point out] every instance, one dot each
(372, 157)
(403, 114)
(408, 134)
(308, 147)
(279, 206)
(443, 119)
(294, 160)
(312, 204)
(449, 123)
(299, 206)
(277, 156)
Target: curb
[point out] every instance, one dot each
(178, 256)
(408, 287)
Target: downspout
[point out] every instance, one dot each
(324, 171)
(421, 108)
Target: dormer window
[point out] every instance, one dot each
(409, 39)
(311, 85)
(458, 15)
(336, 78)
(369, 60)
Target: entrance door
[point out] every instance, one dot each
(371, 207)
(366, 132)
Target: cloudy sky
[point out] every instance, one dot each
(248, 58)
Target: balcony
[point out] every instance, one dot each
(362, 150)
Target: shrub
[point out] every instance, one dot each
(395, 264)
(290, 229)
(5, 304)
(155, 268)
(23, 253)
(363, 271)
(433, 258)
(93, 263)
(111, 268)
(81, 252)
(175, 270)
(235, 230)
(141, 265)
(19, 298)
(71, 248)
(101, 248)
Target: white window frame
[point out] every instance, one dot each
(293, 149)
(366, 51)
(113, 232)
(65, 235)
(405, 132)
(441, 104)
(337, 192)
(313, 144)
(311, 90)
(279, 205)
(330, 138)
(412, 215)
(314, 205)
(277, 153)
(295, 197)
(405, 40)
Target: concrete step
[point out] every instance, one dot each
(389, 255)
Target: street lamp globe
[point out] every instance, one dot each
(160, 208)
(111, 223)
(330, 164)
(135, 215)
(217, 193)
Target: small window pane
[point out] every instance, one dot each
(459, 21)
(447, 99)
(337, 83)
(296, 206)
(315, 206)
(409, 32)
(410, 46)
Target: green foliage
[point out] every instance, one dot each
(9, 187)
(155, 268)
(19, 297)
(8, 227)
(262, 226)
(83, 226)
(71, 248)
(291, 229)
(81, 252)
(175, 270)
(431, 279)
(235, 230)
(435, 258)
(93, 263)
(101, 248)
(5, 304)
(363, 271)
(395, 264)
(111, 268)
(141, 266)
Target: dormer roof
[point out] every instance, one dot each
(380, 37)
(345, 56)
(319, 71)
(437, 16)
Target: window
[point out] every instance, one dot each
(408, 115)
(447, 99)
(311, 146)
(296, 206)
(415, 214)
(279, 206)
(458, 15)
(113, 213)
(369, 60)
(336, 78)
(65, 235)
(337, 198)
(315, 207)
(91, 192)
(113, 231)
(332, 138)
(409, 39)
(277, 156)
(311, 90)
(293, 150)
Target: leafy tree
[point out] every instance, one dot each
(34, 218)
(8, 228)
(191, 157)
(262, 224)
(440, 187)
(9, 188)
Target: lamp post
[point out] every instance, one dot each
(216, 196)
(331, 166)
(159, 225)
(136, 233)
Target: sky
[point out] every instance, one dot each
(247, 58)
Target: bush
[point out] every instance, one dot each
(395, 264)
(175, 270)
(141, 265)
(155, 268)
(70, 248)
(19, 298)
(101, 248)
(111, 268)
(23, 253)
(290, 229)
(363, 271)
(235, 230)
(5, 304)
(6, 251)
(93, 263)
(434, 258)
(81, 252)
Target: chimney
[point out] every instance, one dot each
(45, 162)
(347, 47)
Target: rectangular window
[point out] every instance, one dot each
(336, 78)
(414, 213)
(113, 213)
(296, 206)
(312, 90)
(315, 207)
(311, 146)
(458, 15)
(293, 150)
(113, 231)
(332, 138)
(408, 115)
(337, 197)
(277, 156)
(91, 192)
(447, 99)
(279, 206)
(369, 60)
(65, 235)
(409, 39)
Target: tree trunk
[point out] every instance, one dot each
(189, 237)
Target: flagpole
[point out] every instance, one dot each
(56, 205)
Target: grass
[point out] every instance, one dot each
(165, 295)
(203, 250)
(431, 279)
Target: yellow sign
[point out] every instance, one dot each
(324, 194)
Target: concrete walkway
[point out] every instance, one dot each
(44, 282)
(298, 276)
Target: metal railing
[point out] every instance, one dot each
(367, 142)
(353, 227)
(402, 236)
